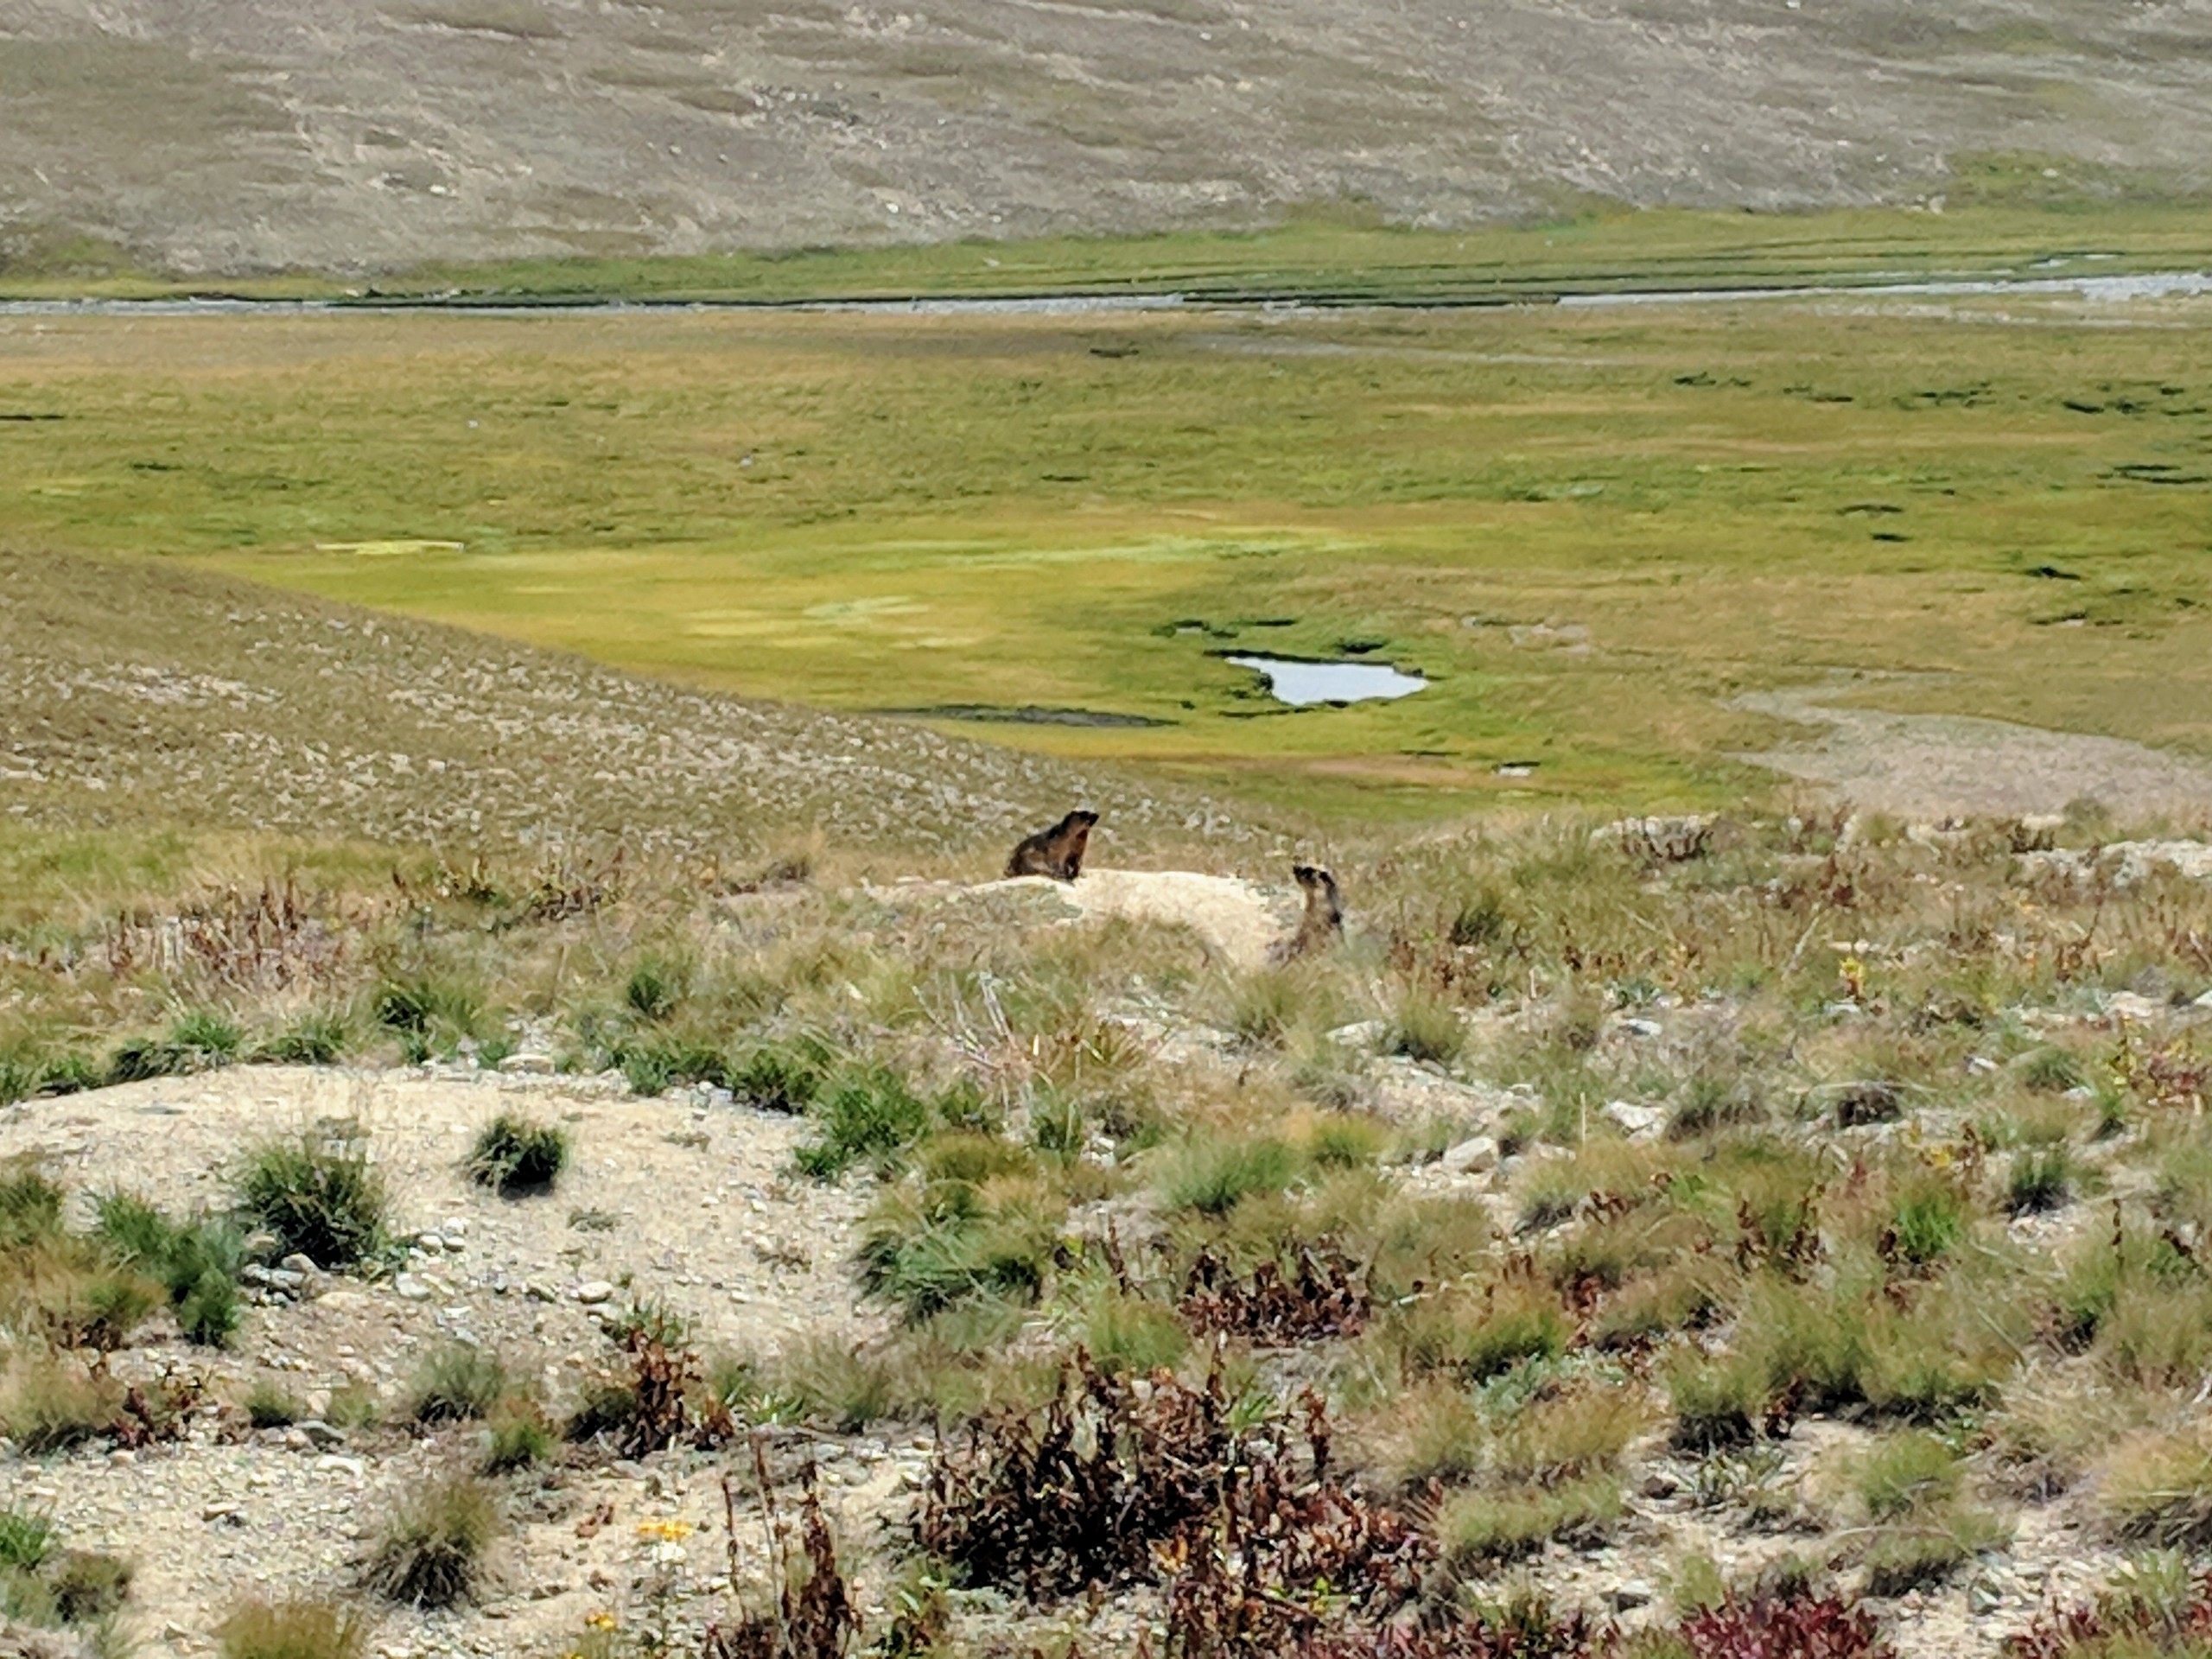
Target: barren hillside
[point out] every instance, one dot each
(364, 134)
(139, 691)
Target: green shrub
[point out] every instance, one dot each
(1476, 1529)
(26, 1539)
(87, 1586)
(657, 986)
(521, 1436)
(21, 1075)
(1264, 1006)
(1423, 1026)
(1930, 1219)
(935, 1246)
(50, 1404)
(1906, 1472)
(771, 1079)
(211, 1037)
(2041, 1178)
(2156, 1489)
(139, 1059)
(319, 1194)
(2050, 1071)
(1341, 1140)
(1717, 1402)
(456, 1383)
(30, 1204)
(512, 1154)
(196, 1262)
(431, 1553)
(656, 1064)
(293, 1630)
(1475, 1338)
(72, 1074)
(1129, 1333)
(423, 1007)
(867, 1116)
(1214, 1172)
(313, 1039)
(268, 1406)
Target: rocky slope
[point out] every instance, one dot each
(364, 134)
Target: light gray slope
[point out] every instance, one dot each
(230, 135)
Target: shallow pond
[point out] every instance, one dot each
(1302, 684)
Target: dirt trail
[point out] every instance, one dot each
(1956, 766)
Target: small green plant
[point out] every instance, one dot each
(197, 1262)
(521, 1436)
(1214, 1172)
(431, 1553)
(313, 1039)
(2050, 1071)
(456, 1383)
(513, 1155)
(772, 1079)
(2041, 1178)
(26, 1539)
(1930, 1219)
(269, 1406)
(209, 1036)
(319, 1194)
(657, 986)
(870, 1116)
(49, 1404)
(1906, 1472)
(1478, 1527)
(1717, 1402)
(354, 1405)
(30, 1204)
(293, 1630)
(1425, 1026)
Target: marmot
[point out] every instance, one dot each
(1057, 852)
(1323, 920)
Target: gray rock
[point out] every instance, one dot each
(321, 1435)
(593, 1291)
(301, 1263)
(1471, 1156)
(1634, 1120)
(410, 1288)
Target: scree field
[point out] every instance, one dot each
(1593, 526)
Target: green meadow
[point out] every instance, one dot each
(1590, 526)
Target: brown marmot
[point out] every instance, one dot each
(1057, 852)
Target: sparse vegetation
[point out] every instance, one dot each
(319, 1193)
(432, 1551)
(514, 1156)
(293, 1630)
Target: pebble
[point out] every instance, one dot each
(412, 1288)
(593, 1291)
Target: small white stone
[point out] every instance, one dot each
(593, 1291)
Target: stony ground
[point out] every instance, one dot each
(686, 1200)
(668, 1201)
